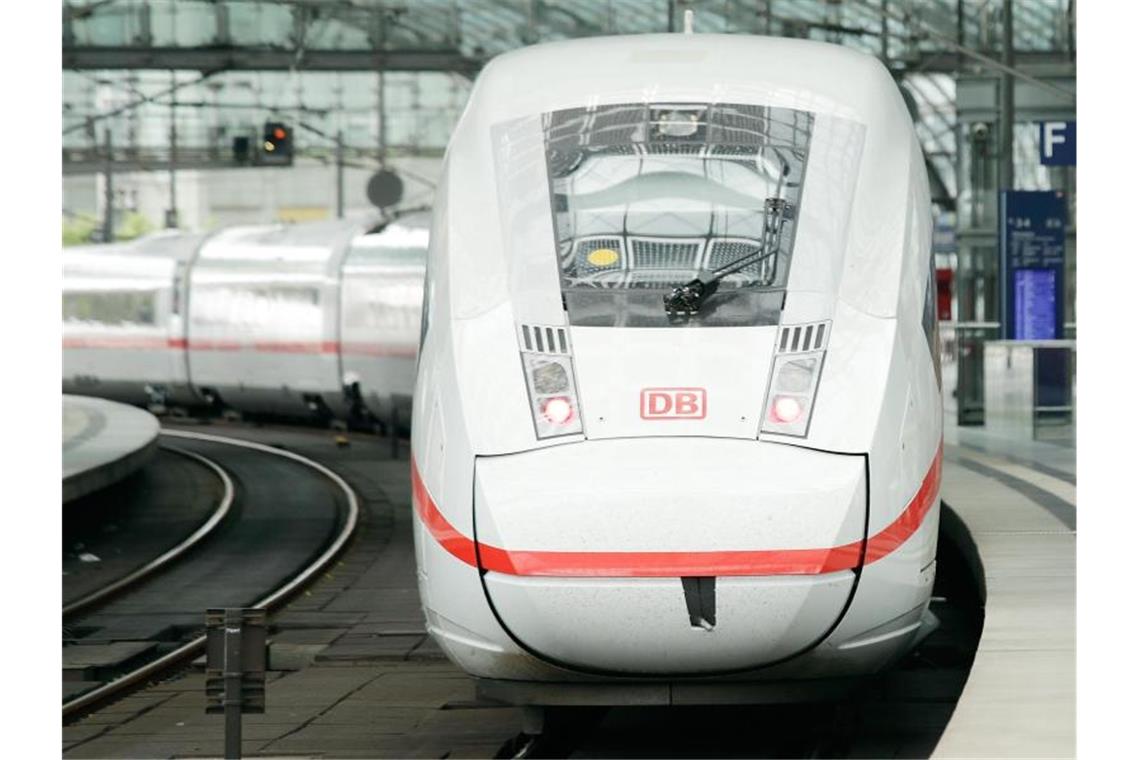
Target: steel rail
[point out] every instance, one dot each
(171, 554)
(194, 646)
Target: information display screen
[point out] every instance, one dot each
(1033, 263)
(1034, 304)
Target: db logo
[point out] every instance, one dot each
(672, 403)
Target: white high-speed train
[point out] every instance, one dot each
(677, 424)
(298, 319)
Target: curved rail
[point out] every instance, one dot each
(194, 646)
(171, 554)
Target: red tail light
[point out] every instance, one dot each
(785, 409)
(558, 410)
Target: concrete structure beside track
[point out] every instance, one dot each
(1018, 501)
(103, 442)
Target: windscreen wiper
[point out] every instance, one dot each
(686, 300)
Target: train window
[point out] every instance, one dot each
(365, 256)
(382, 287)
(130, 307)
(930, 321)
(268, 306)
(647, 197)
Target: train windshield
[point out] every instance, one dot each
(648, 197)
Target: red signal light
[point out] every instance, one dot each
(279, 133)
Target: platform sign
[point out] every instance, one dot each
(1058, 143)
(1033, 263)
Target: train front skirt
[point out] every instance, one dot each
(664, 567)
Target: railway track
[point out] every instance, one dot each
(286, 518)
(116, 531)
(93, 597)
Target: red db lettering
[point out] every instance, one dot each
(687, 404)
(660, 403)
(673, 403)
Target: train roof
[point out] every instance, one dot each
(306, 240)
(175, 245)
(406, 231)
(774, 71)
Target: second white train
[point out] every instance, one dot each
(309, 319)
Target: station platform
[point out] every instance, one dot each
(103, 442)
(1018, 502)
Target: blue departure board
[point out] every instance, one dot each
(1034, 304)
(1033, 263)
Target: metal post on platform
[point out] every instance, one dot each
(339, 174)
(381, 121)
(172, 212)
(1005, 147)
(231, 672)
(1005, 168)
(235, 669)
(108, 191)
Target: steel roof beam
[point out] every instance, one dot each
(254, 59)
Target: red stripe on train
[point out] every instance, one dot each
(270, 347)
(676, 564)
(115, 341)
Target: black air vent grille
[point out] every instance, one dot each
(544, 340)
(799, 338)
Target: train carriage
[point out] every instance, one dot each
(124, 319)
(264, 318)
(298, 320)
(381, 293)
(677, 419)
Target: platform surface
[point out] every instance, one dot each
(103, 442)
(1018, 500)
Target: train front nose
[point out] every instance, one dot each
(669, 555)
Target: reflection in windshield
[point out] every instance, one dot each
(648, 197)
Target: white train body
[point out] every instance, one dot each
(264, 316)
(124, 309)
(743, 490)
(260, 319)
(382, 284)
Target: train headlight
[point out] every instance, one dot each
(786, 409)
(791, 393)
(553, 397)
(558, 409)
